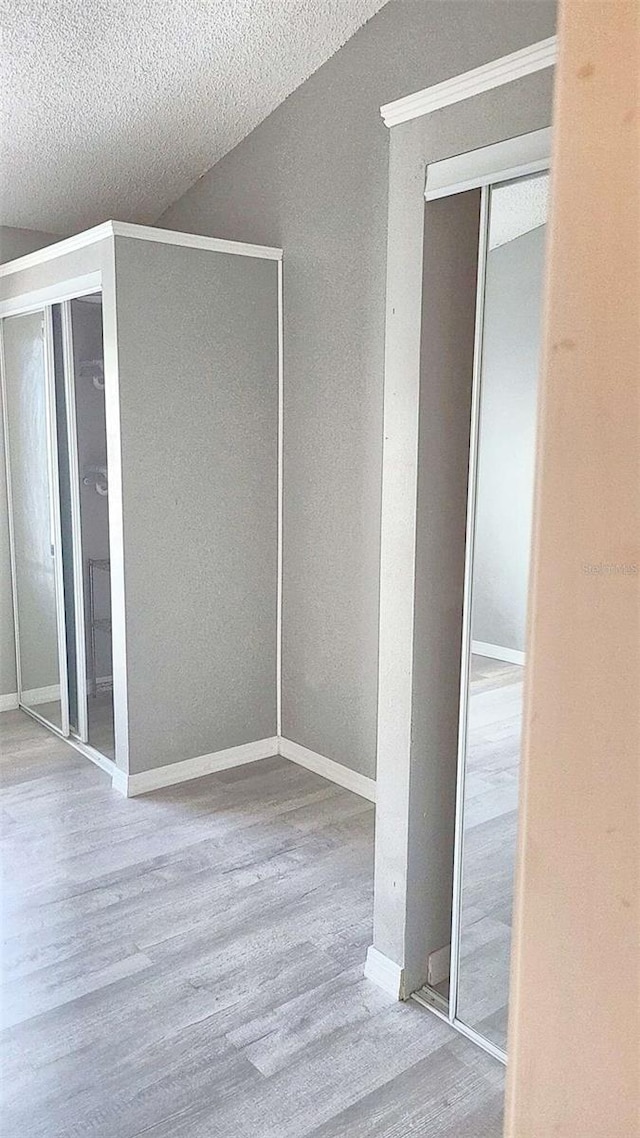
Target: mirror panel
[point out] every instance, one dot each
(90, 416)
(499, 584)
(33, 519)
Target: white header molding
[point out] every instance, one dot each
(536, 57)
(111, 229)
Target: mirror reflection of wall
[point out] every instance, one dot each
(33, 527)
(86, 324)
(501, 547)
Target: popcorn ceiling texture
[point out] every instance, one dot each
(516, 208)
(112, 109)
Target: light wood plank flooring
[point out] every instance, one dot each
(188, 964)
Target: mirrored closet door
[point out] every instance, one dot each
(502, 460)
(54, 412)
(494, 222)
(35, 528)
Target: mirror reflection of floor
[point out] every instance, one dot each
(100, 710)
(101, 736)
(491, 800)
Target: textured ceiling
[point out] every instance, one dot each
(113, 108)
(517, 207)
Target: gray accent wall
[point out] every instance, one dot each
(313, 178)
(198, 376)
(18, 242)
(446, 365)
(504, 507)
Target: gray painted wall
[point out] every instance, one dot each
(13, 243)
(446, 365)
(510, 365)
(197, 346)
(314, 178)
(18, 242)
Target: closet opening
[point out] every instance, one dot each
(468, 931)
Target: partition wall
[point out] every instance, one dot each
(140, 377)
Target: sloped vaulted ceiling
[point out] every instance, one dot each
(113, 108)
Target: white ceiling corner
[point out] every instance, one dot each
(113, 108)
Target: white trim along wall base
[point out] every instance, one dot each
(385, 973)
(34, 696)
(173, 773)
(497, 652)
(328, 768)
(184, 771)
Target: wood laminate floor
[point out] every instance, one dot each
(188, 964)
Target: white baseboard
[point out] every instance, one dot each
(438, 966)
(120, 782)
(9, 702)
(385, 973)
(172, 773)
(497, 652)
(34, 696)
(328, 768)
(101, 682)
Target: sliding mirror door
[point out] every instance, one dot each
(501, 500)
(86, 398)
(32, 463)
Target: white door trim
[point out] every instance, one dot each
(536, 57)
(51, 294)
(512, 158)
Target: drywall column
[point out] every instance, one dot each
(423, 561)
(431, 270)
(574, 1031)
